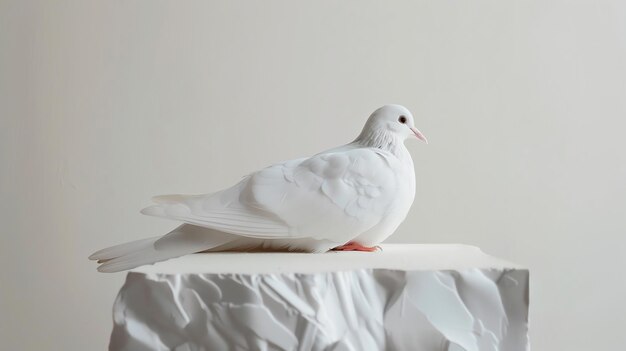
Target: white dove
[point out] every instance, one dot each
(350, 197)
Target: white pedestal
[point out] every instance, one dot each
(407, 297)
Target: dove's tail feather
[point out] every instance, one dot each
(134, 260)
(122, 249)
(183, 240)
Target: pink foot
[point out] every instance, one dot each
(352, 246)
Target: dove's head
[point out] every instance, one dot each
(395, 120)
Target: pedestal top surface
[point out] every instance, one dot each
(409, 257)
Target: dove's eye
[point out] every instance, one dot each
(402, 119)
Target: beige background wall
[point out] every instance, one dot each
(104, 104)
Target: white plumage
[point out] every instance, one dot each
(357, 193)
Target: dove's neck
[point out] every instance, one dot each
(384, 140)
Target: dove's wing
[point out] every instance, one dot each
(222, 211)
(334, 195)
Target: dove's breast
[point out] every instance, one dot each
(400, 205)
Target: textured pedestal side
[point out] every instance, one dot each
(408, 297)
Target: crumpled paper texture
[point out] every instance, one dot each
(368, 309)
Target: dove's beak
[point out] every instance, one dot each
(419, 135)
